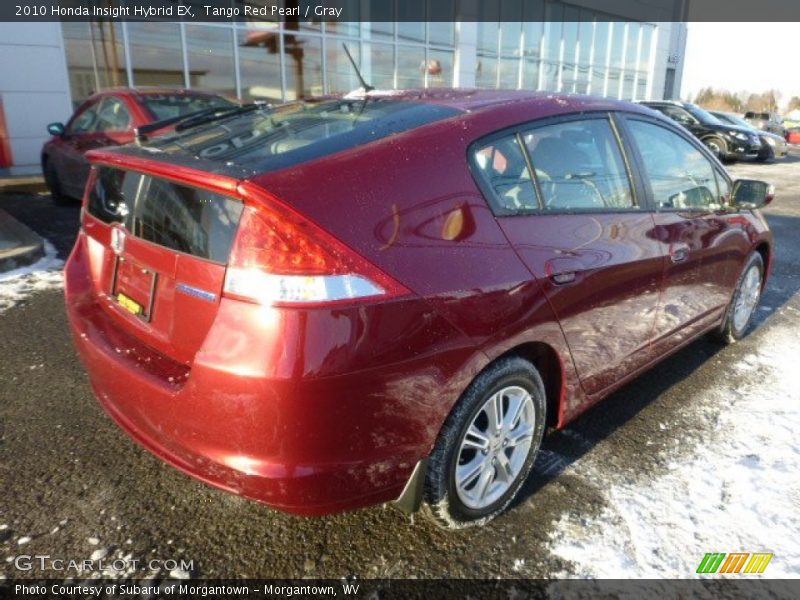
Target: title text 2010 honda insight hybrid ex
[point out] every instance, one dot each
(335, 303)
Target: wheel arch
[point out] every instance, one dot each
(551, 369)
(764, 249)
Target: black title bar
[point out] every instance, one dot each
(399, 10)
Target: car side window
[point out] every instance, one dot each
(680, 175)
(579, 166)
(502, 165)
(112, 116)
(85, 121)
(680, 115)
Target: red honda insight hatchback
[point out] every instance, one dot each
(334, 303)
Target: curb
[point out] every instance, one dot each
(20, 246)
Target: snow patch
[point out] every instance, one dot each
(738, 493)
(44, 274)
(179, 574)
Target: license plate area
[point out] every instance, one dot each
(133, 288)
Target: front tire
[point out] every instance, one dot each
(717, 146)
(487, 445)
(742, 308)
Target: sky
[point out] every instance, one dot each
(743, 56)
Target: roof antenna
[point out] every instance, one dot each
(366, 87)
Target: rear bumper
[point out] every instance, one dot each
(256, 423)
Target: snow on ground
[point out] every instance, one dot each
(44, 274)
(739, 492)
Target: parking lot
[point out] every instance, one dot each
(628, 489)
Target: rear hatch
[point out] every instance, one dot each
(157, 252)
(162, 219)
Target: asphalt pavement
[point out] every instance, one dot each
(75, 487)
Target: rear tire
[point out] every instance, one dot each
(487, 445)
(54, 185)
(742, 308)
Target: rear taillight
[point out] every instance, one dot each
(279, 257)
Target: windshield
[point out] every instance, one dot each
(168, 106)
(737, 121)
(703, 116)
(271, 138)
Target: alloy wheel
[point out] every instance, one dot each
(495, 447)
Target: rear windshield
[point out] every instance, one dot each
(277, 137)
(178, 217)
(167, 106)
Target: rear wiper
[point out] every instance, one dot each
(193, 119)
(202, 119)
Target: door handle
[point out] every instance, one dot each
(678, 252)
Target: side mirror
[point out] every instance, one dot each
(56, 129)
(751, 193)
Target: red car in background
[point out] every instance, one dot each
(335, 303)
(793, 135)
(110, 118)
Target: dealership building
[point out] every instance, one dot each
(48, 68)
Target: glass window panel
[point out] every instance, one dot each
(503, 168)
(381, 65)
(156, 55)
(680, 175)
(585, 46)
(549, 76)
(488, 37)
(486, 73)
(632, 47)
(579, 166)
(303, 64)
(410, 67)
(440, 68)
(210, 53)
(382, 31)
(617, 44)
(530, 75)
(627, 86)
(341, 75)
(86, 120)
(95, 57)
(441, 33)
(570, 37)
(614, 83)
(259, 64)
(533, 37)
(641, 87)
(112, 116)
(644, 52)
(552, 40)
(510, 27)
(509, 73)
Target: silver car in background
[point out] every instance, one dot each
(766, 121)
